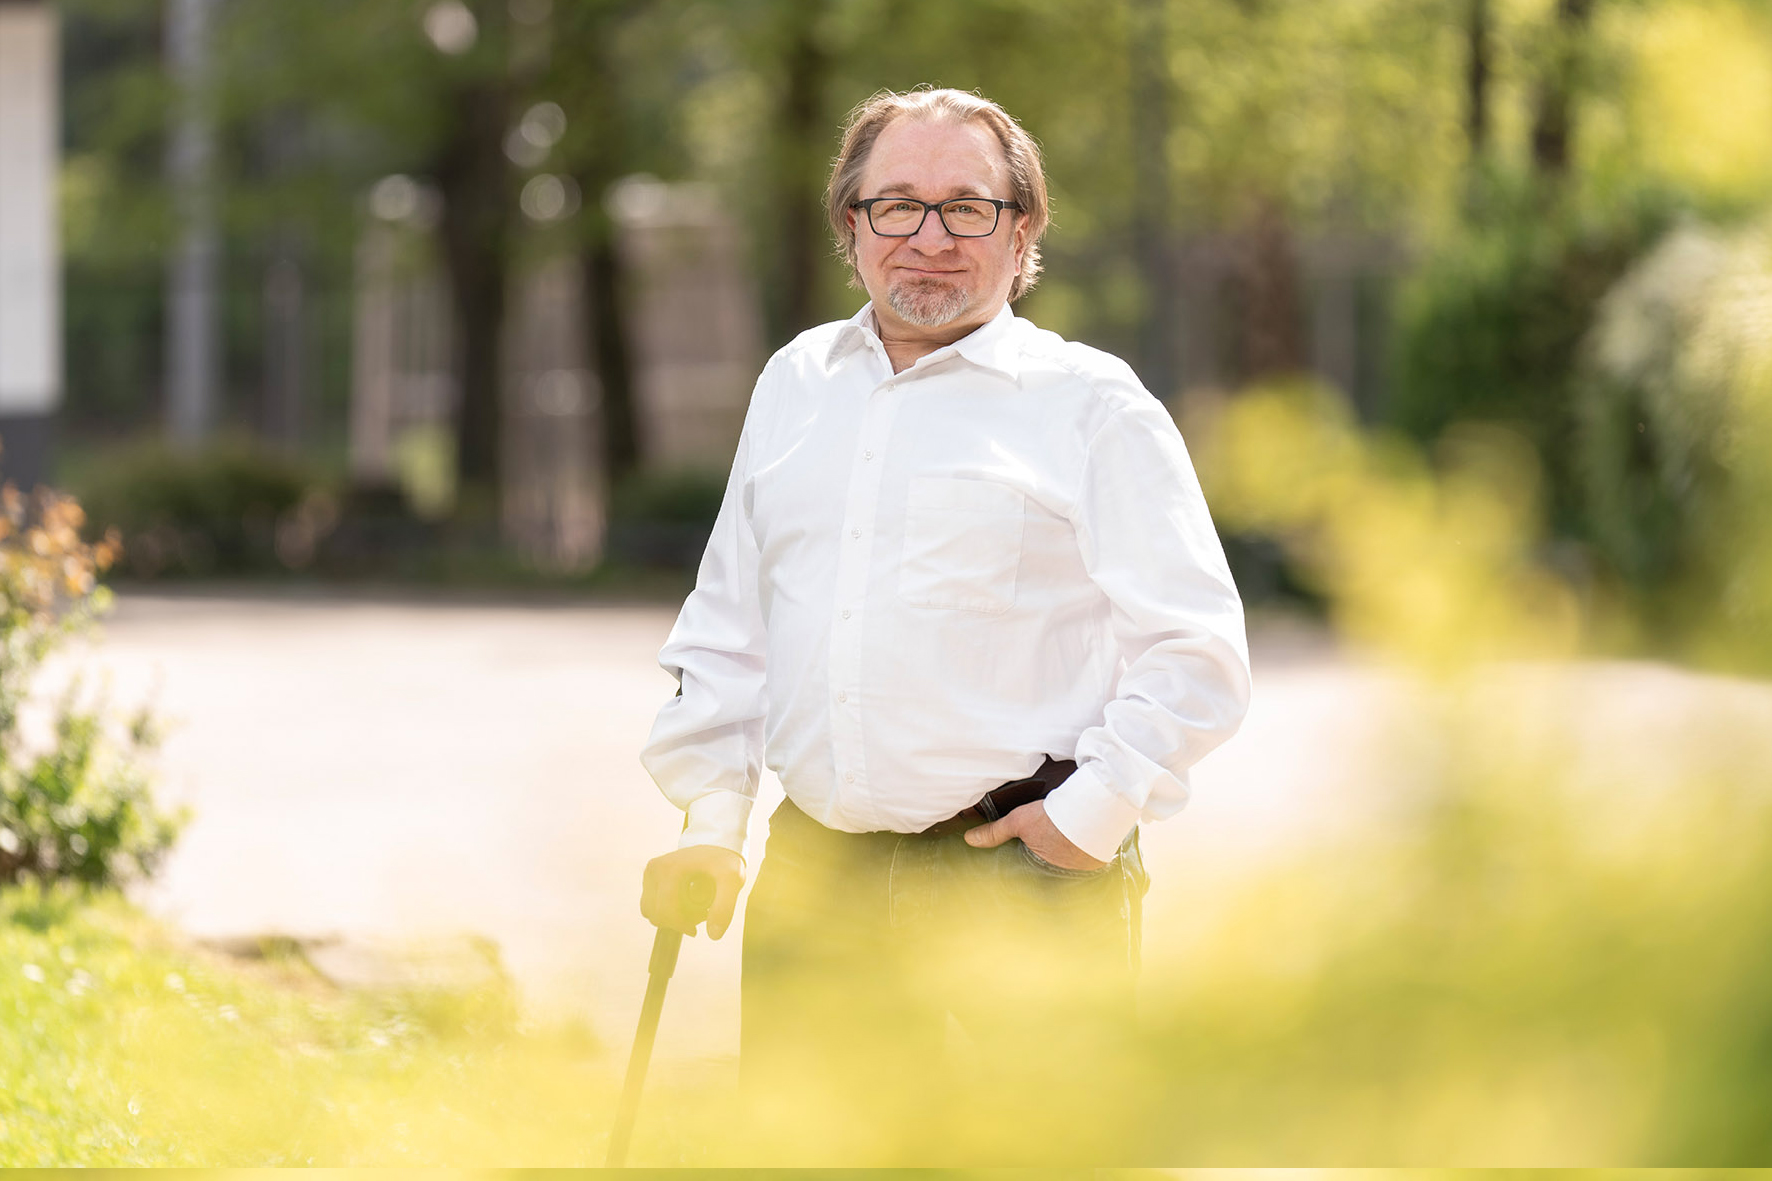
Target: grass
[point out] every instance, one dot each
(122, 1045)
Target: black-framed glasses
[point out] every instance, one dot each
(962, 217)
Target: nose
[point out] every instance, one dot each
(932, 234)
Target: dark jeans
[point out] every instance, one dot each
(862, 950)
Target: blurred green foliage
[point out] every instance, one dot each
(79, 807)
(232, 508)
(1516, 967)
(1676, 433)
(1434, 563)
(84, 810)
(1535, 949)
(1339, 115)
(662, 519)
(684, 497)
(1490, 327)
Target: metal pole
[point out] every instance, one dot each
(192, 344)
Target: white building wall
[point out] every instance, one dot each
(30, 272)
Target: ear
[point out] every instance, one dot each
(849, 219)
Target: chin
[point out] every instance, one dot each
(927, 303)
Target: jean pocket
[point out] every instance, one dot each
(1039, 863)
(962, 544)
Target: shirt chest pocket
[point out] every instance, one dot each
(962, 544)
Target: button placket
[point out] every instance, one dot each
(854, 560)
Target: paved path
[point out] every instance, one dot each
(396, 767)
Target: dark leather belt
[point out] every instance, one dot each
(1000, 801)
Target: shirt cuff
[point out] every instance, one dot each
(717, 818)
(1091, 815)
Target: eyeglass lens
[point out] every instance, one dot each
(963, 218)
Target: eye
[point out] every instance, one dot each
(965, 208)
(902, 207)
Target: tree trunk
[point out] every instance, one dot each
(801, 138)
(1553, 129)
(601, 149)
(606, 331)
(604, 155)
(475, 228)
(1478, 67)
(1273, 327)
(282, 418)
(1153, 95)
(285, 368)
(1152, 218)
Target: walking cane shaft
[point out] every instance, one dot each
(665, 946)
(698, 895)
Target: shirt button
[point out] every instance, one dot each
(848, 777)
(867, 454)
(842, 697)
(855, 533)
(845, 615)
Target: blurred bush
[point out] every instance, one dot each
(1522, 965)
(80, 810)
(1433, 562)
(232, 508)
(1676, 440)
(664, 518)
(1489, 328)
(1547, 941)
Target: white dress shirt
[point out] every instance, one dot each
(920, 584)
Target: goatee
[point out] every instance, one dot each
(928, 303)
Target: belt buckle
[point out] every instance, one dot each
(988, 806)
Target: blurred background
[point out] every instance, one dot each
(341, 286)
(1463, 306)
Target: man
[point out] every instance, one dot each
(965, 599)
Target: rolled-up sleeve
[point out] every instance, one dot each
(705, 751)
(1148, 543)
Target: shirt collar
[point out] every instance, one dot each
(990, 346)
(855, 333)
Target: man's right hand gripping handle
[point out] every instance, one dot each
(663, 891)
